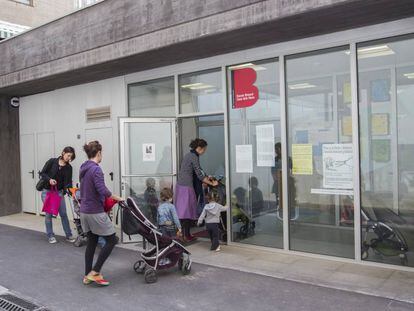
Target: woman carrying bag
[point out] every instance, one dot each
(57, 177)
(95, 221)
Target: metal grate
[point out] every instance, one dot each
(10, 302)
(98, 114)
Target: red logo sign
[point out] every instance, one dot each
(245, 93)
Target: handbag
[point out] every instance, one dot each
(52, 202)
(41, 184)
(109, 204)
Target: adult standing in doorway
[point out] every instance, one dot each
(57, 172)
(190, 179)
(95, 222)
(276, 171)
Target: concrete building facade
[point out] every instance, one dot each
(304, 104)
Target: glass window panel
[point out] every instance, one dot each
(210, 128)
(386, 111)
(158, 139)
(255, 196)
(320, 153)
(153, 98)
(201, 92)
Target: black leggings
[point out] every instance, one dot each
(186, 224)
(110, 240)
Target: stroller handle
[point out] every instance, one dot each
(123, 204)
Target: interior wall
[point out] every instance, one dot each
(10, 201)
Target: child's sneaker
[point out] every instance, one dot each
(70, 239)
(218, 249)
(52, 240)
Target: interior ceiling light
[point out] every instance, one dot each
(374, 51)
(247, 65)
(300, 86)
(409, 75)
(197, 86)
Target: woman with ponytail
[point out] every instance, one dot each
(95, 222)
(189, 181)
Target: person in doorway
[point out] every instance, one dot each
(95, 222)
(211, 214)
(167, 218)
(189, 186)
(57, 172)
(276, 171)
(151, 199)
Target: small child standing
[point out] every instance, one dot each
(167, 218)
(211, 213)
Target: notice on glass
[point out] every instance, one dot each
(265, 138)
(302, 159)
(148, 152)
(337, 166)
(244, 159)
(379, 124)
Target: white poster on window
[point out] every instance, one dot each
(148, 152)
(244, 159)
(265, 148)
(337, 166)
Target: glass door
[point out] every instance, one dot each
(148, 161)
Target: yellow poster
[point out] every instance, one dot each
(302, 159)
(347, 93)
(379, 124)
(347, 126)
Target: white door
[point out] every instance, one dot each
(28, 173)
(45, 149)
(104, 136)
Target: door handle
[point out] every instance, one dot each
(112, 175)
(32, 172)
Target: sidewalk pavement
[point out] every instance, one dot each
(353, 277)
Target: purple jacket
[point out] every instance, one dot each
(92, 188)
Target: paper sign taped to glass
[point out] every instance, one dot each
(302, 159)
(244, 159)
(148, 152)
(337, 166)
(265, 139)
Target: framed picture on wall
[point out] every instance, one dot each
(380, 124)
(380, 90)
(381, 150)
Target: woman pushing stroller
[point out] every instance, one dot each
(95, 222)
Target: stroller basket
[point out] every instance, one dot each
(166, 252)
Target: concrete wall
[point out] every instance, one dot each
(116, 37)
(10, 201)
(41, 12)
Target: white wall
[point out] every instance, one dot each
(63, 112)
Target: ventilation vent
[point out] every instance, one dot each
(10, 302)
(98, 114)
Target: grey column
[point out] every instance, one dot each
(10, 187)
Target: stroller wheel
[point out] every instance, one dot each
(139, 266)
(150, 276)
(187, 268)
